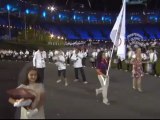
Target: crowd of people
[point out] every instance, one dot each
(149, 55)
(140, 59)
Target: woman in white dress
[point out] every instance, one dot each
(36, 109)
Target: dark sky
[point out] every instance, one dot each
(96, 5)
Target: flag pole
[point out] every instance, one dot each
(110, 60)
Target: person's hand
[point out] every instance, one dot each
(20, 100)
(106, 76)
(133, 72)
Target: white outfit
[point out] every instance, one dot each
(39, 59)
(130, 54)
(61, 62)
(94, 54)
(50, 55)
(153, 57)
(77, 60)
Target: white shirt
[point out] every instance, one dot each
(50, 55)
(153, 57)
(144, 56)
(84, 54)
(56, 52)
(77, 59)
(61, 62)
(68, 54)
(94, 54)
(27, 52)
(21, 53)
(39, 59)
(130, 54)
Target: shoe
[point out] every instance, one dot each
(155, 75)
(134, 88)
(140, 90)
(126, 70)
(58, 81)
(76, 80)
(106, 103)
(66, 84)
(85, 82)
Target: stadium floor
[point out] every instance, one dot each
(79, 101)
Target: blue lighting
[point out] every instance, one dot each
(44, 14)
(102, 18)
(74, 17)
(8, 7)
(153, 18)
(88, 18)
(135, 18)
(27, 11)
(60, 16)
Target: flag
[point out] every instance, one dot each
(117, 34)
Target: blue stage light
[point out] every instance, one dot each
(60, 16)
(88, 18)
(8, 7)
(102, 18)
(74, 17)
(44, 14)
(27, 11)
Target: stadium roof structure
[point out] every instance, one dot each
(100, 5)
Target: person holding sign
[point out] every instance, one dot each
(101, 68)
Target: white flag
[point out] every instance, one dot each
(117, 34)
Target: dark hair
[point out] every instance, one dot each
(99, 56)
(26, 81)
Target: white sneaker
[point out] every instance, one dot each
(106, 103)
(155, 75)
(85, 82)
(66, 84)
(58, 81)
(76, 80)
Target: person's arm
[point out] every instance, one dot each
(61, 59)
(155, 58)
(73, 57)
(80, 55)
(34, 60)
(100, 73)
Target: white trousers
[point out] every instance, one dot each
(104, 88)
